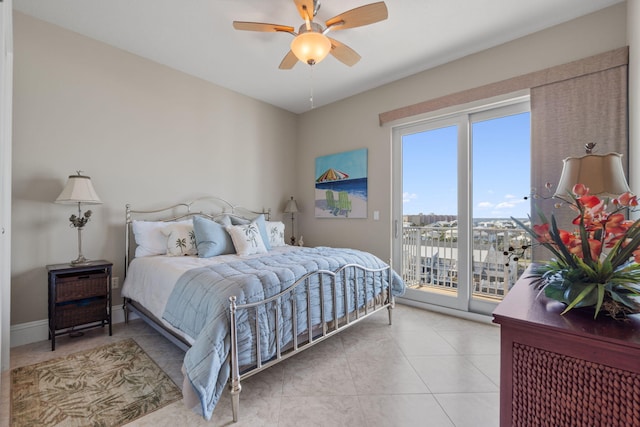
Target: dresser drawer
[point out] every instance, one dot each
(81, 312)
(73, 287)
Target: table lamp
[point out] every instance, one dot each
(292, 208)
(79, 190)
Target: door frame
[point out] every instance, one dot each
(6, 96)
(463, 117)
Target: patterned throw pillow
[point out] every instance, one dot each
(151, 238)
(247, 239)
(275, 232)
(181, 239)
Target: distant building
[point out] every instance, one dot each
(421, 219)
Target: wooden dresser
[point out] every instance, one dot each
(567, 370)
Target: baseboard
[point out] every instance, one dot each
(30, 332)
(449, 311)
(27, 333)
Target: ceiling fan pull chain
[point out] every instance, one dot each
(311, 91)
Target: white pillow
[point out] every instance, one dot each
(247, 239)
(180, 239)
(150, 239)
(275, 232)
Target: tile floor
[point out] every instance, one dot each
(425, 369)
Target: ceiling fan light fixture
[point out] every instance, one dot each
(311, 47)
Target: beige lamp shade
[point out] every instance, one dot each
(601, 173)
(79, 189)
(311, 47)
(291, 207)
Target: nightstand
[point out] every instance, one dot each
(79, 297)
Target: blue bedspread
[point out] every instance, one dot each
(199, 306)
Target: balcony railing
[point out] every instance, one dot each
(430, 259)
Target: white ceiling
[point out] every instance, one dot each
(197, 37)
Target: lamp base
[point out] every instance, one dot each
(80, 260)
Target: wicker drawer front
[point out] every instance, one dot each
(80, 287)
(79, 313)
(551, 389)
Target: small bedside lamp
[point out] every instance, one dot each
(79, 190)
(292, 208)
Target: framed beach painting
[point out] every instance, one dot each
(341, 185)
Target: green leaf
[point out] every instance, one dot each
(555, 235)
(582, 295)
(623, 255)
(554, 292)
(600, 288)
(584, 238)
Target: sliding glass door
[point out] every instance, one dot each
(458, 180)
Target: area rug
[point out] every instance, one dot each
(105, 386)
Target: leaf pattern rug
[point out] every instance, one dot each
(105, 386)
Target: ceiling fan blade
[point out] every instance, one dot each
(363, 15)
(344, 53)
(288, 61)
(261, 26)
(305, 8)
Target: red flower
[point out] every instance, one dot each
(616, 225)
(565, 236)
(542, 230)
(595, 248)
(580, 190)
(591, 202)
(626, 199)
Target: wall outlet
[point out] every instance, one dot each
(115, 282)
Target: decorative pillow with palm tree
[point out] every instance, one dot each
(275, 231)
(181, 239)
(247, 239)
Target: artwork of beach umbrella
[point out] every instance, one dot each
(332, 175)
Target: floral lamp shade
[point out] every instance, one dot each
(601, 173)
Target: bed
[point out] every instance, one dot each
(220, 282)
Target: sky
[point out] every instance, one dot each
(500, 162)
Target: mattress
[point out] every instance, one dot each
(150, 280)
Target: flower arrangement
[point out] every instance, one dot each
(598, 264)
(78, 221)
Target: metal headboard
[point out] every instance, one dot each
(210, 207)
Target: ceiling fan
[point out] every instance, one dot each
(311, 45)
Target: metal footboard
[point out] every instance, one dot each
(348, 287)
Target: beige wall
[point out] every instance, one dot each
(353, 123)
(146, 134)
